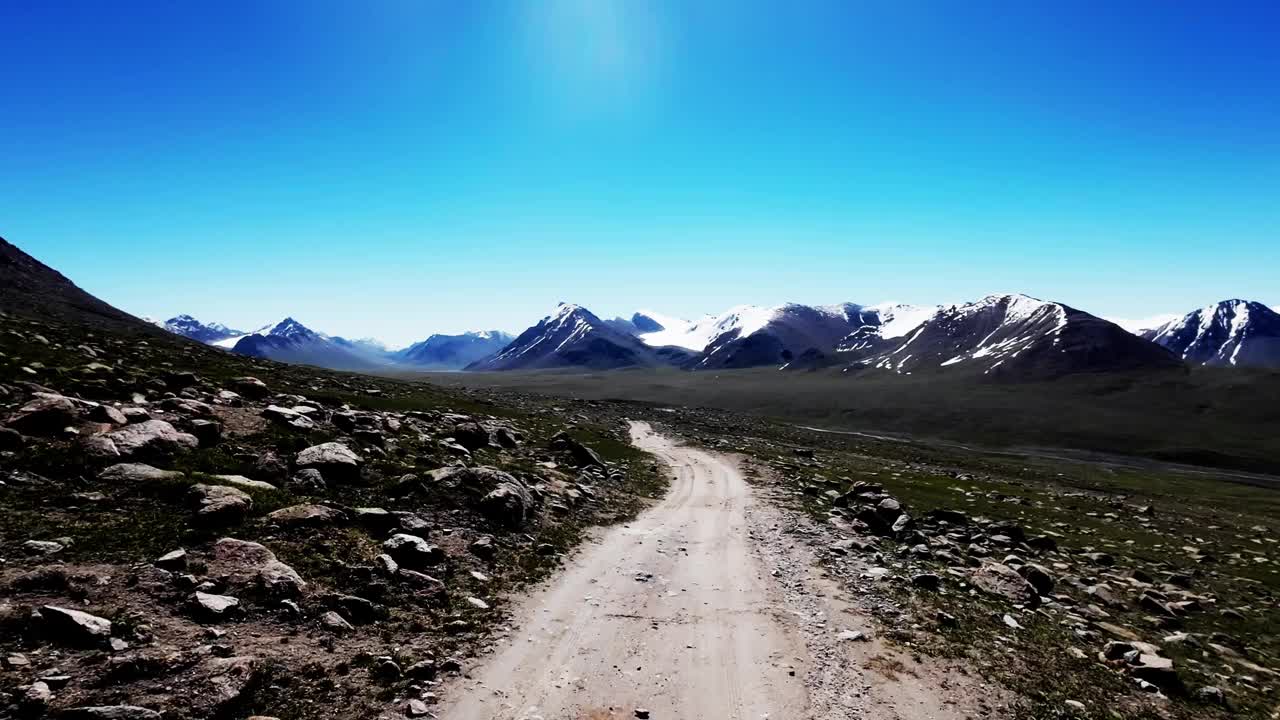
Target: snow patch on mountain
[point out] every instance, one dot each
(898, 319)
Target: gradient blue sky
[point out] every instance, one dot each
(399, 168)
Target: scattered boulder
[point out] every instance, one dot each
(45, 414)
(471, 435)
(175, 560)
(1002, 580)
(10, 439)
(208, 432)
(1039, 577)
(138, 473)
(334, 622)
(582, 455)
(270, 467)
(107, 414)
(110, 712)
(252, 566)
(509, 504)
(220, 505)
(483, 548)
(243, 482)
(412, 551)
(251, 387)
(334, 461)
(75, 627)
(151, 438)
(99, 448)
(307, 516)
(215, 606)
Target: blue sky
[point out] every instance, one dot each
(398, 168)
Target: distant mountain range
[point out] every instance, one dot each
(1003, 336)
(1231, 333)
(291, 341)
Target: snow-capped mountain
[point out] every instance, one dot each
(291, 341)
(749, 336)
(573, 337)
(787, 335)
(453, 352)
(1016, 336)
(207, 333)
(1230, 333)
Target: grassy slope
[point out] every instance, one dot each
(1213, 417)
(1088, 507)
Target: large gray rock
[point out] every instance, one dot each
(582, 455)
(307, 516)
(224, 684)
(220, 505)
(138, 473)
(215, 606)
(75, 627)
(412, 551)
(244, 483)
(471, 435)
(509, 504)
(151, 438)
(251, 387)
(1039, 576)
(109, 712)
(45, 414)
(108, 414)
(335, 461)
(1002, 580)
(253, 567)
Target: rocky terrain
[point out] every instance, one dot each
(1089, 592)
(192, 534)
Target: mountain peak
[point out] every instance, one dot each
(1229, 332)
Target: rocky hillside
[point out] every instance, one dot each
(1020, 337)
(194, 534)
(1232, 333)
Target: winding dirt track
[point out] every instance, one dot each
(709, 606)
(670, 613)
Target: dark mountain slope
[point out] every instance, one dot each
(574, 337)
(1021, 338)
(1231, 333)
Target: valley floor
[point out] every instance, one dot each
(703, 607)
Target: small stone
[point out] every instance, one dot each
(334, 622)
(42, 547)
(215, 605)
(75, 626)
(476, 602)
(175, 560)
(927, 581)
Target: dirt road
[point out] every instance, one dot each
(677, 614)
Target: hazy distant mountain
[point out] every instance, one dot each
(291, 341)
(1231, 333)
(574, 337)
(453, 352)
(189, 327)
(1016, 336)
